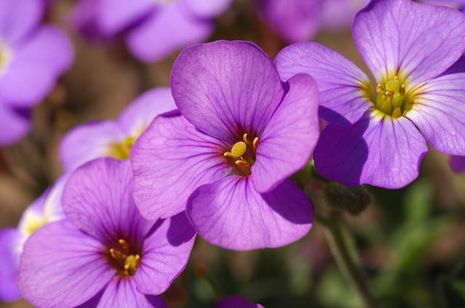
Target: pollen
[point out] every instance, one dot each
(392, 98)
(242, 155)
(123, 258)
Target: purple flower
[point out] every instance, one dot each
(378, 135)
(297, 20)
(114, 138)
(227, 155)
(236, 302)
(103, 252)
(153, 29)
(46, 209)
(32, 57)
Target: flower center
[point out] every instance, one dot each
(392, 98)
(242, 155)
(122, 150)
(124, 259)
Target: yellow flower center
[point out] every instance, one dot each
(242, 155)
(123, 259)
(392, 96)
(122, 150)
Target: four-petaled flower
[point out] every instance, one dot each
(227, 155)
(45, 209)
(114, 138)
(378, 135)
(104, 252)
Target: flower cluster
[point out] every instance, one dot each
(214, 155)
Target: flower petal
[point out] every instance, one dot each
(140, 113)
(383, 152)
(13, 125)
(337, 15)
(206, 8)
(294, 20)
(116, 15)
(401, 35)
(439, 113)
(62, 267)
(226, 88)
(457, 164)
(98, 199)
(165, 256)
(170, 160)
(16, 23)
(231, 213)
(165, 31)
(123, 293)
(88, 141)
(338, 79)
(36, 65)
(9, 260)
(290, 137)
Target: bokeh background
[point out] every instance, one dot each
(410, 242)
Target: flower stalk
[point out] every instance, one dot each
(346, 258)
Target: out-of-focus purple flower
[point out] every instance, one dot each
(153, 29)
(227, 155)
(46, 209)
(339, 14)
(297, 20)
(236, 302)
(114, 138)
(378, 135)
(32, 57)
(104, 251)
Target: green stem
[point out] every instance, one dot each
(346, 258)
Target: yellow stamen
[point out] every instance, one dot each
(393, 85)
(397, 113)
(116, 254)
(228, 154)
(242, 155)
(123, 258)
(255, 143)
(131, 263)
(391, 96)
(402, 90)
(241, 163)
(245, 138)
(238, 149)
(123, 244)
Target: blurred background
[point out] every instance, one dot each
(410, 242)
